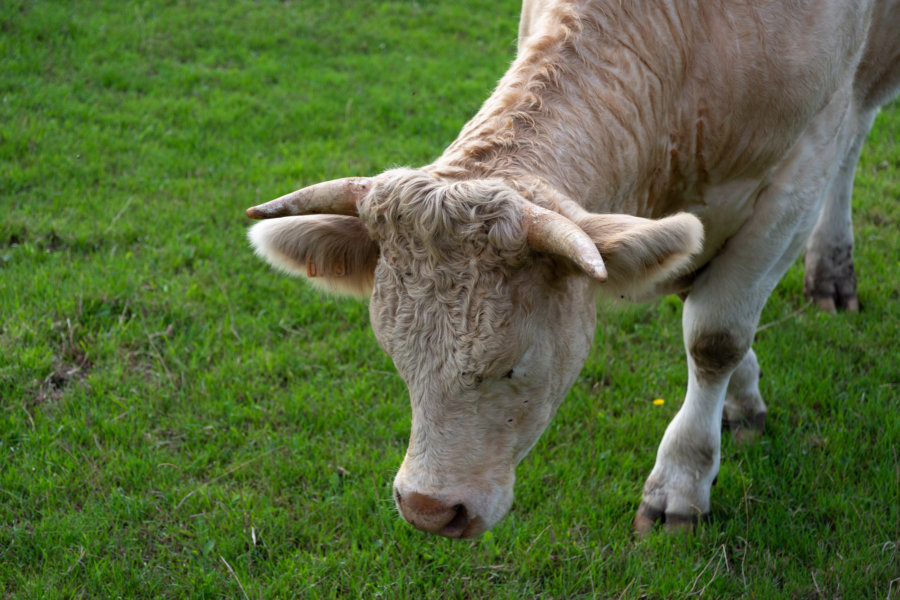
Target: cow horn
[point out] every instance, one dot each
(337, 197)
(555, 234)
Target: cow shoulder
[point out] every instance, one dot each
(334, 252)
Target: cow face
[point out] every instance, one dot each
(487, 331)
(487, 336)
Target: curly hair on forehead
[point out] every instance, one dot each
(447, 252)
(410, 210)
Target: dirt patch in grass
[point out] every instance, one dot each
(64, 374)
(71, 363)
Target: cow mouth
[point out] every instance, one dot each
(463, 525)
(458, 524)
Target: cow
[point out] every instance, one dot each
(632, 150)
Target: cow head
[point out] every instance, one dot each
(485, 303)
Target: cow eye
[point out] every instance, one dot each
(509, 374)
(470, 379)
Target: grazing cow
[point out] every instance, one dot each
(632, 149)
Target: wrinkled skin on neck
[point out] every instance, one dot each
(487, 337)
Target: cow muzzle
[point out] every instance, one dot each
(433, 516)
(458, 502)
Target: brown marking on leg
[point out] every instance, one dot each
(715, 353)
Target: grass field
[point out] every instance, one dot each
(179, 421)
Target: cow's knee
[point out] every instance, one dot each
(715, 354)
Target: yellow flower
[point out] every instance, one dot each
(659, 402)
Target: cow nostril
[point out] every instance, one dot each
(458, 524)
(431, 515)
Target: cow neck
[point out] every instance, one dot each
(581, 110)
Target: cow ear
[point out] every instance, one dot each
(334, 252)
(640, 253)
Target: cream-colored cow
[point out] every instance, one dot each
(632, 149)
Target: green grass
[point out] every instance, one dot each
(177, 420)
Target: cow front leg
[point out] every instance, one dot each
(745, 411)
(721, 313)
(677, 491)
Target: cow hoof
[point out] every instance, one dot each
(826, 304)
(682, 523)
(830, 306)
(830, 278)
(833, 296)
(748, 430)
(647, 517)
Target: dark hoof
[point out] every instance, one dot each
(747, 430)
(686, 523)
(830, 279)
(647, 517)
(830, 306)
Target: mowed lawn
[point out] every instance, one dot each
(179, 421)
